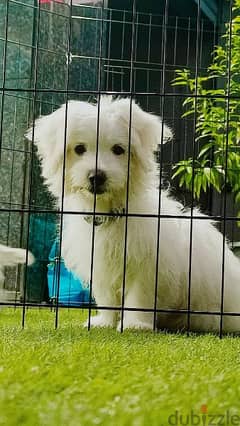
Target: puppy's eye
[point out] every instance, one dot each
(80, 149)
(118, 150)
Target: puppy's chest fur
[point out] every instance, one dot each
(104, 254)
(114, 260)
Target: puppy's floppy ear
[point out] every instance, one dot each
(150, 128)
(48, 133)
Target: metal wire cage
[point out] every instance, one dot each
(55, 51)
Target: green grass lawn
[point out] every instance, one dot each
(71, 376)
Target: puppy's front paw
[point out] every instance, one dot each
(137, 325)
(100, 321)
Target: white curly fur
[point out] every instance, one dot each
(174, 242)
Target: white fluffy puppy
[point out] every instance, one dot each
(109, 184)
(10, 256)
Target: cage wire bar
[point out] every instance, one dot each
(193, 168)
(63, 168)
(29, 190)
(99, 83)
(164, 43)
(100, 50)
(128, 165)
(228, 94)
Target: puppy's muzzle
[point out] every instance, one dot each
(97, 182)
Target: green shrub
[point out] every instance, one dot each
(216, 113)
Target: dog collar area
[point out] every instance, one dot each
(98, 220)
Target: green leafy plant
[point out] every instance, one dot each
(214, 105)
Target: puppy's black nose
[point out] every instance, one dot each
(97, 181)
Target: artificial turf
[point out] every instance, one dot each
(70, 376)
